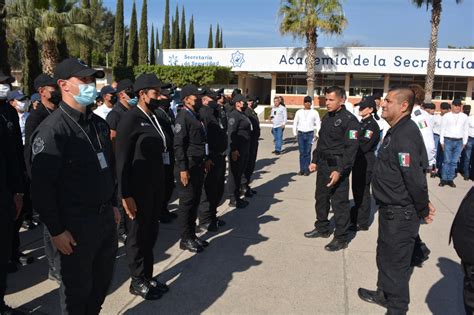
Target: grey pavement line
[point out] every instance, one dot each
(441, 201)
(346, 289)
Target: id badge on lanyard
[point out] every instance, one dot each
(166, 158)
(102, 160)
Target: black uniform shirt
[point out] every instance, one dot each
(189, 140)
(338, 136)
(252, 115)
(462, 230)
(216, 135)
(139, 153)
(68, 174)
(222, 117)
(166, 119)
(399, 173)
(240, 130)
(113, 118)
(369, 136)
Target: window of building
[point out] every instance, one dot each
(362, 84)
(295, 83)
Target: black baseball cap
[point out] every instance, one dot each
(368, 102)
(72, 67)
(124, 84)
(239, 98)
(211, 93)
(6, 78)
(445, 105)
(44, 80)
(457, 102)
(307, 99)
(107, 90)
(149, 81)
(190, 89)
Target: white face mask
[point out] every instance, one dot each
(4, 89)
(20, 106)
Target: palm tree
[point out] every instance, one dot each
(436, 9)
(60, 20)
(307, 19)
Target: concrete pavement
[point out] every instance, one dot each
(260, 263)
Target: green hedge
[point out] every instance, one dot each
(178, 75)
(291, 112)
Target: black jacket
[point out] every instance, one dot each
(240, 130)
(216, 134)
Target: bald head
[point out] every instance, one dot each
(404, 94)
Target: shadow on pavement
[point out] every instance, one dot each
(445, 296)
(197, 282)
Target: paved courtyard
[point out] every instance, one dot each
(260, 263)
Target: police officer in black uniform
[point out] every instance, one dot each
(126, 99)
(141, 154)
(240, 133)
(191, 151)
(369, 137)
(215, 178)
(333, 158)
(12, 185)
(462, 233)
(47, 88)
(73, 189)
(166, 119)
(253, 149)
(400, 189)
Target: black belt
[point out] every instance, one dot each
(453, 139)
(325, 156)
(305, 131)
(392, 212)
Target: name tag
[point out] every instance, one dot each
(207, 148)
(102, 160)
(166, 158)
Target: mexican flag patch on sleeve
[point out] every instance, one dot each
(422, 124)
(404, 159)
(353, 134)
(368, 134)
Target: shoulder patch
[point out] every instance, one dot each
(353, 134)
(231, 121)
(417, 112)
(368, 134)
(404, 159)
(177, 128)
(338, 122)
(37, 146)
(422, 124)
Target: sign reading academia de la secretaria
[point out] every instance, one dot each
(456, 62)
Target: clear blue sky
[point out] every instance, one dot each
(376, 23)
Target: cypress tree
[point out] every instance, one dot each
(132, 52)
(173, 34)
(176, 28)
(191, 33)
(209, 40)
(152, 47)
(119, 37)
(166, 27)
(221, 43)
(143, 39)
(158, 45)
(31, 67)
(4, 65)
(216, 45)
(182, 35)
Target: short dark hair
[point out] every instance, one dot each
(405, 93)
(419, 93)
(340, 92)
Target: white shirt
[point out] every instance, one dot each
(471, 126)
(349, 106)
(383, 124)
(436, 119)
(422, 120)
(454, 126)
(102, 111)
(306, 120)
(279, 116)
(23, 117)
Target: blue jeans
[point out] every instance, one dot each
(467, 157)
(278, 136)
(305, 140)
(439, 153)
(452, 153)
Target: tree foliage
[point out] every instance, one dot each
(152, 47)
(143, 36)
(191, 41)
(132, 51)
(209, 40)
(165, 37)
(182, 34)
(119, 36)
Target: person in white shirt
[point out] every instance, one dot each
(422, 121)
(20, 103)
(445, 108)
(306, 122)
(453, 138)
(108, 95)
(468, 159)
(279, 118)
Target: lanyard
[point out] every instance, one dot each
(85, 133)
(157, 127)
(203, 127)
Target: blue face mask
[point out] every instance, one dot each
(133, 101)
(87, 94)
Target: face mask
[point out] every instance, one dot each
(113, 99)
(87, 94)
(132, 101)
(55, 98)
(20, 106)
(197, 105)
(213, 105)
(153, 104)
(4, 89)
